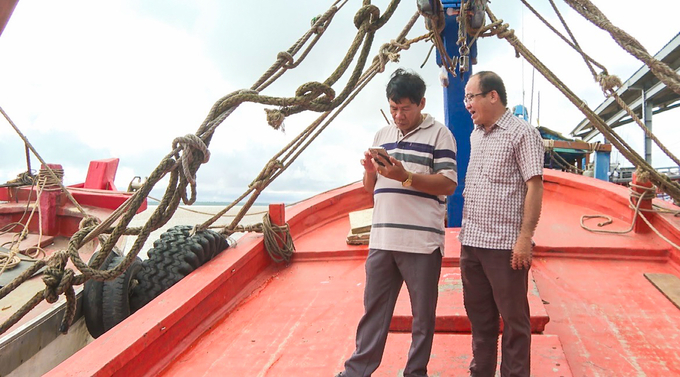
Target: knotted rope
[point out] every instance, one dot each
(277, 239)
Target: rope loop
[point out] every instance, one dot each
(385, 55)
(368, 13)
(190, 144)
(57, 280)
(277, 240)
(88, 221)
(312, 90)
(287, 57)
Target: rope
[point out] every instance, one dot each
(23, 179)
(49, 170)
(503, 31)
(8, 261)
(284, 158)
(588, 60)
(191, 151)
(277, 239)
(608, 82)
(644, 128)
(564, 163)
(648, 193)
(435, 23)
(660, 69)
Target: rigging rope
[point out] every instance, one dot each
(609, 83)
(501, 30)
(191, 151)
(660, 69)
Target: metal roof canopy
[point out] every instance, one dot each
(642, 83)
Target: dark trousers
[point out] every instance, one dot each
(491, 287)
(385, 273)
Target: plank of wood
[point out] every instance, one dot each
(668, 284)
(358, 239)
(360, 221)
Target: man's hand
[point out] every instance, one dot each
(368, 163)
(393, 169)
(521, 254)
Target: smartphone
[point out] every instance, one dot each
(379, 151)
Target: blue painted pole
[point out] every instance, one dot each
(456, 117)
(601, 169)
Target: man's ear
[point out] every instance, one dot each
(422, 104)
(494, 96)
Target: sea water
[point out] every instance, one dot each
(193, 215)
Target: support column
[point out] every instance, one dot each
(456, 117)
(601, 165)
(647, 119)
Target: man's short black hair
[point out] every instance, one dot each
(489, 81)
(405, 84)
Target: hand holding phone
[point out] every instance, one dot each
(380, 152)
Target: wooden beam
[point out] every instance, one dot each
(551, 144)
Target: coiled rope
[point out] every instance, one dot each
(637, 194)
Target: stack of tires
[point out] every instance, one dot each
(175, 255)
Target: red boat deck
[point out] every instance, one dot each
(593, 311)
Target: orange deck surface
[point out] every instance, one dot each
(593, 312)
(311, 332)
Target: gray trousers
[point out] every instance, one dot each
(491, 287)
(385, 273)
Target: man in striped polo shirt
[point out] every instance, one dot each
(407, 235)
(503, 193)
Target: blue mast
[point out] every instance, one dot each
(456, 117)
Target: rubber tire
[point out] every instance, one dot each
(170, 260)
(92, 300)
(116, 294)
(175, 255)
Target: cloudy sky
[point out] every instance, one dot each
(87, 80)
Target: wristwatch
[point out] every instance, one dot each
(408, 181)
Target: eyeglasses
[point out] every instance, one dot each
(468, 97)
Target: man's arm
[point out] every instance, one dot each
(433, 184)
(521, 252)
(370, 172)
(369, 181)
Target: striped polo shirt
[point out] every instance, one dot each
(405, 219)
(501, 161)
